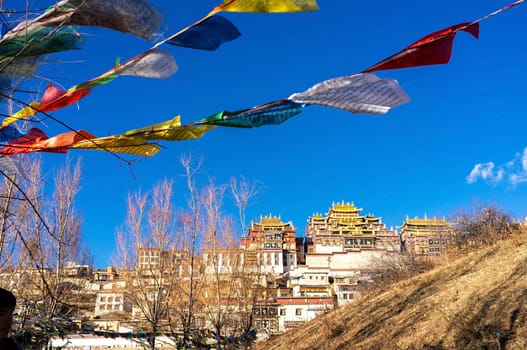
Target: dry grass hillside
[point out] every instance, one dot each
(477, 301)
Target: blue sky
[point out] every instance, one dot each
(461, 138)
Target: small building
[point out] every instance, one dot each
(295, 311)
(274, 243)
(426, 237)
(104, 275)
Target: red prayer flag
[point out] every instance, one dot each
(37, 141)
(435, 48)
(24, 144)
(56, 98)
(62, 142)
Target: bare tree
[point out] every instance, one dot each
(243, 191)
(217, 237)
(185, 296)
(249, 272)
(231, 273)
(482, 224)
(147, 248)
(42, 230)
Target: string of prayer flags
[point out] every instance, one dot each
(358, 93)
(268, 6)
(135, 17)
(270, 113)
(208, 34)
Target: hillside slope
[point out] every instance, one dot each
(478, 301)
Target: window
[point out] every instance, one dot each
(298, 312)
(282, 312)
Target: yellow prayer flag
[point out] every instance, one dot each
(120, 144)
(25, 112)
(155, 129)
(182, 133)
(266, 6)
(170, 130)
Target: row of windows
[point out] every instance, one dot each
(266, 324)
(116, 299)
(283, 311)
(316, 277)
(359, 241)
(273, 237)
(110, 307)
(272, 245)
(264, 311)
(436, 241)
(267, 259)
(346, 296)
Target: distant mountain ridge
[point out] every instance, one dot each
(477, 301)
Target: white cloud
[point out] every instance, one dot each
(486, 172)
(513, 172)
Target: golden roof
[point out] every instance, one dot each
(426, 221)
(316, 216)
(272, 221)
(349, 207)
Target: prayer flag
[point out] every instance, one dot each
(266, 6)
(435, 48)
(119, 144)
(25, 112)
(158, 64)
(55, 98)
(136, 17)
(207, 35)
(170, 130)
(270, 113)
(358, 93)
